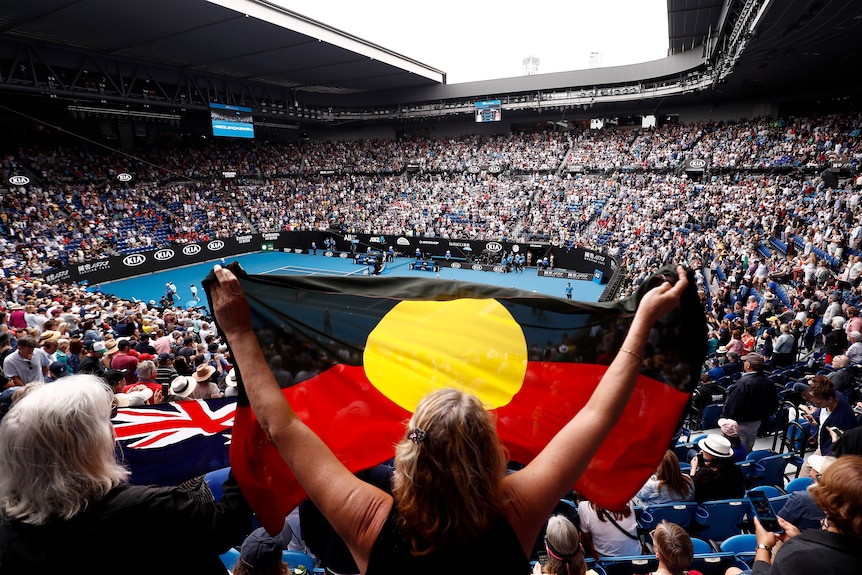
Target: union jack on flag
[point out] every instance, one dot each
(169, 443)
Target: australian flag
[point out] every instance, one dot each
(169, 443)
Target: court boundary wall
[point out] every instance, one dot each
(572, 263)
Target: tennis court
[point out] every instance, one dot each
(152, 286)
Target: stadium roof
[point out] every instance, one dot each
(249, 40)
(797, 46)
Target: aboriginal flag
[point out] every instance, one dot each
(363, 351)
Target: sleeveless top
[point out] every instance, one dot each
(499, 552)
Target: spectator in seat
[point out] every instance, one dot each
(668, 484)
(65, 426)
(404, 533)
(714, 471)
(564, 549)
(836, 547)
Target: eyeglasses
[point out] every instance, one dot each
(824, 523)
(29, 364)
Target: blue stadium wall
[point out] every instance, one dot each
(572, 263)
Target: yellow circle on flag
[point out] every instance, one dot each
(470, 344)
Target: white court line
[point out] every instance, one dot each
(311, 271)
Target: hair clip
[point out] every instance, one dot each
(417, 435)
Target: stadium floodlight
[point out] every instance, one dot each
(123, 112)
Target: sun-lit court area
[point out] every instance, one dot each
(152, 286)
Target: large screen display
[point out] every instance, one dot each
(488, 111)
(231, 121)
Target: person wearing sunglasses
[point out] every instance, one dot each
(26, 364)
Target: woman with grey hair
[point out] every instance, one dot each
(64, 497)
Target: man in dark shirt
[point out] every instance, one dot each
(165, 372)
(144, 345)
(752, 399)
(92, 362)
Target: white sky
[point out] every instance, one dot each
(473, 41)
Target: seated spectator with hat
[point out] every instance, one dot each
(206, 388)
(56, 370)
(92, 361)
(260, 554)
(730, 430)
(137, 394)
(181, 388)
(729, 366)
(800, 510)
(714, 472)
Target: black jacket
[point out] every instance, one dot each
(814, 551)
(133, 530)
(752, 398)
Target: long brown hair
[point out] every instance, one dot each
(448, 469)
(670, 475)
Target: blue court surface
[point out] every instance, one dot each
(152, 286)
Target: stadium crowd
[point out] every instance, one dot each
(775, 253)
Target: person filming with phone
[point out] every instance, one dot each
(835, 548)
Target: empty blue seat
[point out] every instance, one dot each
(629, 565)
(215, 480)
(230, 558)
(716, 563)
(295, 558)
(726, 517)
(798, 484)
(742, 545)
(681, 513)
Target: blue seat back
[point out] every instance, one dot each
(701, 546)
(681, 513)
(629, 565)
(215, 480)
(230, 558)
(774, 468)
(715, 563)
(769, 490)
(295, 558)
(726, 517)
(710, 415)
(798, 484)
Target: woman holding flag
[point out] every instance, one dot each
(452, 500)
(453, 506)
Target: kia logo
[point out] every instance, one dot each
(343, 255)
(697, 163)
(477, 267)
(124, 177)
(494, 169)
(499, 269)
(215, 245)
(493, 247)
(455, 265)
(134, 260)
(191, 249)
(163, 255)
(19, 180)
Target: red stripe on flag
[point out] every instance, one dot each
(361, 426)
